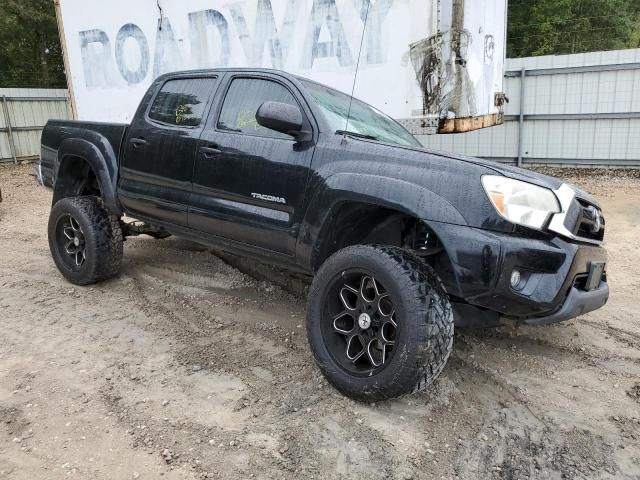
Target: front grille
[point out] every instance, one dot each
(590, 223)
(580, 220)
(584, 231)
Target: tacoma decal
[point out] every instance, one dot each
(269, 198)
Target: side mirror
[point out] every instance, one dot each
(280, 117)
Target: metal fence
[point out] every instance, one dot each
(569, 110)
(23, 114)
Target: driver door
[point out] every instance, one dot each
(249, 182)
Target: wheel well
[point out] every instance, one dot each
(75, 178)
(355, 223)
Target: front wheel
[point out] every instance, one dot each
(85, 241)
(379, 322)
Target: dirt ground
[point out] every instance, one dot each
(185, 368)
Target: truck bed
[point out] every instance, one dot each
(107, 136)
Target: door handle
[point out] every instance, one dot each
(138, 142)
(208, 151)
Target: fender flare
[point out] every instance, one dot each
(100, 156)
(399, 195)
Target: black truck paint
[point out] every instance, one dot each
(293, 201)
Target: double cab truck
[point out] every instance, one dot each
(400, 243)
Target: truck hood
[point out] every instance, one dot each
(507, 170)
(519, 174)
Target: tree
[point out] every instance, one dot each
(30, 52)
(546, 27)
(635, 35)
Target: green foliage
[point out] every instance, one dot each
(548, 27)
(30, 52)
(635, 35)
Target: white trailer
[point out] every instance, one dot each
(437, 66)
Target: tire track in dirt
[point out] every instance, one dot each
(544, 348)
(182, 306)
(225, 357)
(629, 339)
(523, 443)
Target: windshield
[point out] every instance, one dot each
(364, 120)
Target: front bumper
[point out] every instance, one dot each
(478, 267)
(577, 303)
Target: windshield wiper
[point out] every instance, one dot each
(355, 134)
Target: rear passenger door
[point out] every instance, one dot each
(157, 164)
(250, 181)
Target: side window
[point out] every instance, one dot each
(182, 102)
(243, 99)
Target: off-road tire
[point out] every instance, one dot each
(425, 334)
(103, 240)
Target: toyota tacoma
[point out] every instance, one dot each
(400, 242)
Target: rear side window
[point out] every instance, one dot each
(243, 99)
(182, 102)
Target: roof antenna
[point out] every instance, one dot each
(355, 77)
(161, 18)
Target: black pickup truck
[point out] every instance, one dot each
(401, 242)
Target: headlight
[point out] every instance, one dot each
(521, 202)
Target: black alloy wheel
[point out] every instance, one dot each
(360, 323)
(379, 322)
(70, 240)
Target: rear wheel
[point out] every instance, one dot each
(85, 241)
(379, 322)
